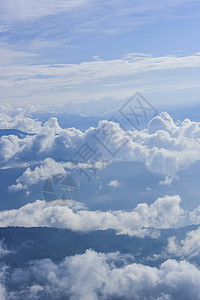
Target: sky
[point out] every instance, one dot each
(52, 52)
(120, 174)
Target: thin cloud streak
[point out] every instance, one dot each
(37, 82)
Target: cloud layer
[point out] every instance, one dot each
(95, 78)
(165, 147)
(164, 213)
(93, 276)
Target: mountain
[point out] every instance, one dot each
(16, 132)
(98, 108)
(28, 244)
(67, 120)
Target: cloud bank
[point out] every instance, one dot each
(93, 276)
(143, 220)
(165, 147)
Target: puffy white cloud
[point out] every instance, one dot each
(48, 168)
(18, 119)
(114, 183)
(29, 148)
(165, 147)
(17, 187)
(168, 180)
(95, 276)
(188, 247)
(164, 213)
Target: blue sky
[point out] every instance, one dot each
(58, 51)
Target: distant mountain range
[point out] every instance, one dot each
(91, 111)
(39, 242)
(107, 107)
(67, 120)
(95, 108)
(20, 134)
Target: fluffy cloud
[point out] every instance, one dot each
(95, 276)
(29, 148)
(164, 213)
(165, 147)
(168, 180)
(18, 119)
(188, 247)
(48, 168)
(114, 183)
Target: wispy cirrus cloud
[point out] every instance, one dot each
(21, 10)
(50, 44)
(96, 78)
(123, 16)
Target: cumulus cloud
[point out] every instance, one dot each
(18, 119)
(188, 247)
(17, 187)
(114, 183)
(168, 180)
(30, 148)
(164, 213)
(48, 168)
(95, 276)
(165, 147)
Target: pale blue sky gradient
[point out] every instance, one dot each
(53, 51)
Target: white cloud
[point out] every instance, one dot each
(114, 183)
(168, 180)
(11, 118)
(165, 147)
(93, 275)
(17, 187)
(48, 168)
(96, 79)
(36, 79)
(3, 249)
(21, 10)
(13, 56)
(164, 213)
(186, 248)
